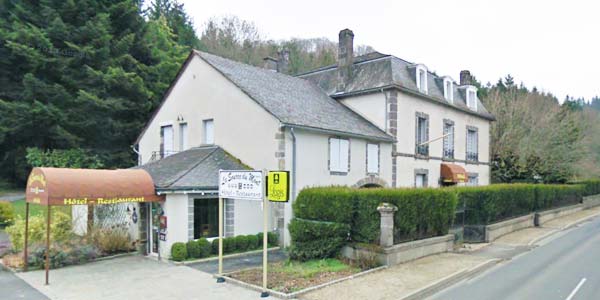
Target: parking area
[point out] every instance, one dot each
(133, 277)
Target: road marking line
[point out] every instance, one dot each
(576, 289)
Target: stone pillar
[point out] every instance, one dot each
(387, 211)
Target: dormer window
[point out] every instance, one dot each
(471, 93)
(421, 78)
(448, 89)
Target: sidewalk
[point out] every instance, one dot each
(420, 278)
(13, 288)
(133, 277)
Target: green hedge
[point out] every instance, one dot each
(494, 203)
(179, 252)
(590, 187)
(316, 239)
(421, 213)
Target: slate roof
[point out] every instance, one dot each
(192, 169)
(294, 101)
(376, 70)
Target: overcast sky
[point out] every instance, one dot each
(553, 45)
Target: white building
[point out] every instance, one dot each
(367, 121)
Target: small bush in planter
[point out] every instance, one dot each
(252, 241)
(241, 243)
(205, 247)
(179, 252)
(272, 238)
(214, 246)
(193, 249)
(229, 245)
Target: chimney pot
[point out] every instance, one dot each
(283, 61)
(270, 63)
(345, 58)
(465, 77)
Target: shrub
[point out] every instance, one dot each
(272, 239)
(193, 249)
(63, 255)
(179, 252)
(316, 239)
(7, 213)
(111, 241)
(61, 229)
(214, 246)
(205, 247)
(229, 245)
(241, 243)
(252, 241)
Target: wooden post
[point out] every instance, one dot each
(48, 246)
(26, 236)
(220, 279)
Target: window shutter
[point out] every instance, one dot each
(372, 158)
(334, 154)
(344, 158)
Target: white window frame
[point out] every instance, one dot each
(449, 91)
(421, 86)
(208, 138)
(339, 155)
(164, 140)
(471, 97)
(373, 154)
(472, 142)
(448, 141)
(472, 179)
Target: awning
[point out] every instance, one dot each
(452, 173)
(61, 186)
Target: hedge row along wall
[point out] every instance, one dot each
(422, 213)
(590, 187)
(494, 203)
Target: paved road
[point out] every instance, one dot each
(12, 197)
(566, 267)
(13, 288)
(239, 263)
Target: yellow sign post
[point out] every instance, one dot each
(278, 186)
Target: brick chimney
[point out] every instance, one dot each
(345, 58)
(270, 63)
(465, 77)
(283, 61)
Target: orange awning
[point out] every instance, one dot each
(61, 186)
(452, 173)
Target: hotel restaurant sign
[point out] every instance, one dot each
(61, 186)
(241, 184)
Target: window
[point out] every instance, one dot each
(421, 78)
(473, 179)
(472, 98)
(448, 89)
(339, 155)
(472, 147)
(206, 218)
(209, 131)
(422, 134)
(372, 158)
(183, 135)
(166, 141)
(448, 139)
(421, 177)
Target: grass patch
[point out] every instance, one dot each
(292, 276)
(36, 209)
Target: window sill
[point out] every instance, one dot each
(372, 174)
(336, 173)
(451, 159)
(421, 156)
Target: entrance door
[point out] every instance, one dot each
(154, 225)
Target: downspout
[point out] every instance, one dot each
(293, 163)
(139, 155)
(386, 110)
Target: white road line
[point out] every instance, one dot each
(576, 289)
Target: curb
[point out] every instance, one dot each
(201, 260)
(297, 293)
(559, 229)
(450, 280)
